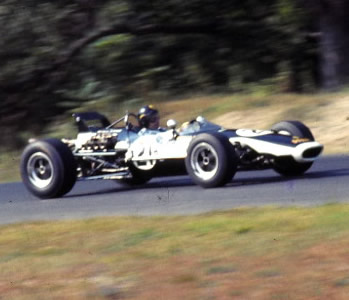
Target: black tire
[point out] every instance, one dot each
(294, 128)
(211, 160)
(287, 166)
(48, 168)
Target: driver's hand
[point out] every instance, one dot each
(184, 126)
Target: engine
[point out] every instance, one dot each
(101, 141)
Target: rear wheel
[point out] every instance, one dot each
(48, 168)
(211, 160)
(287, 166)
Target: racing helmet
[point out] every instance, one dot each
(146, 114)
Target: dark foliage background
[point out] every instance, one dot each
(56, 55)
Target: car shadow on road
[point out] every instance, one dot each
(119, 188)
(185, 181)
(279, 178)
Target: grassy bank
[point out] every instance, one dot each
(255, 253)
(9, 166)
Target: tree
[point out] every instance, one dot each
(331, 19)
(54, 55)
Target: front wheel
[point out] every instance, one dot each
(211, 160)
(48, 168)
(287, 166)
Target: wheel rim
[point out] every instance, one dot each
(40, 170)
(204, 161)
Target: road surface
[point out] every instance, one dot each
(327, 181)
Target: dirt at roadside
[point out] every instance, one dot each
(329, 121)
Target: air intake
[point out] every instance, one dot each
(312, 152)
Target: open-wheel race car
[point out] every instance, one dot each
(132, 155)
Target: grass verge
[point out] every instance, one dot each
(248, 253)
(9, 166)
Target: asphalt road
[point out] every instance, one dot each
(327, 181)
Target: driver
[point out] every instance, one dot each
(149, 117)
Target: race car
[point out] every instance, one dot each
(131, 155)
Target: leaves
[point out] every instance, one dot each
(53, 52)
